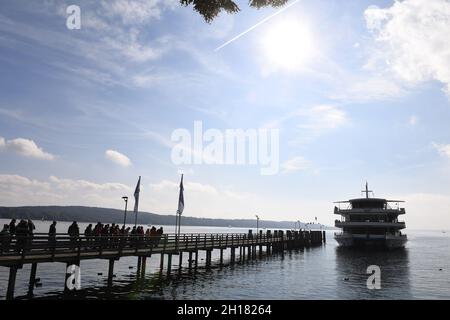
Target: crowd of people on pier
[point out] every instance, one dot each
(23, 232)
(104, 235)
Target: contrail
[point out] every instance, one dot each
(256, 25)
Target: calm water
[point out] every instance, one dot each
(420, 271)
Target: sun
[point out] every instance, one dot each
(287, 45)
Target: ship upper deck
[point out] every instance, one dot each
(369, 206)
(370, 211)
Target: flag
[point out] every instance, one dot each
(136, 195)
(181, 198)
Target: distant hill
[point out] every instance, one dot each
(105, 215)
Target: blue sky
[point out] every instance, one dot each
(359, 91)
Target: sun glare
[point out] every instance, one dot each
(287, 45)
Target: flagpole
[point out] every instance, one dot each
(179, 224)
(179, 212)
(136, 200)
(176, 228)
(135, 219)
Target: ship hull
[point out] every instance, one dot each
(390, 242)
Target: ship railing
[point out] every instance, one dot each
(368, 210)
(369, 221)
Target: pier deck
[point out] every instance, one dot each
(72, 250)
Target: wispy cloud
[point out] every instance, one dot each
(295, 164)
(365, 87)
(443, 149)
(413, 120)
(118, 158)
(324, 117)
(136, 11)
(413, 40)
(188, 186)
(205, 200)
(71, 184)
(104, 50)
(25, 147)
(310, 123)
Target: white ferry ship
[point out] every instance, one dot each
(370, 222)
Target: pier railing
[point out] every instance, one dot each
(62, 247)
(15, 251)
(52, 247)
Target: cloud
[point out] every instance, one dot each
(70, 185)
(310, 123)
(110, 47)
(16, 190)
(201, 200)
(19, 181)
(298, 163)
(413, 120)
(117, 158)
(367, 87)
(323, 118)
(228, 202)
(166, 185)
(136, 11)
(318, 118)
(317, 121)
(25, 147)
(413, 40)
(443, 149)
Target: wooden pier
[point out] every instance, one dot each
(72, 250)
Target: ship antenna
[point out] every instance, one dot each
(367, 190)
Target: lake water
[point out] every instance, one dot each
(420, 271)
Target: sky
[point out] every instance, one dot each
(358, 90)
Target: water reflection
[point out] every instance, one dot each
(351, 268)
(154, 285)
(135, 288)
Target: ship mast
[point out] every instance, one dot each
(367, 190)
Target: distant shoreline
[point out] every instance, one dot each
(108, 215)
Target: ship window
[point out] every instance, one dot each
(363, 204)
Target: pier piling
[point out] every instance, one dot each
(111, 272)
(208, 258)
(180, 261)
(161, 262)
(169, 264)
(11, 282)
(139, 265)
(32, 280)
(144, 265)
(190, 261)
(196, 260)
